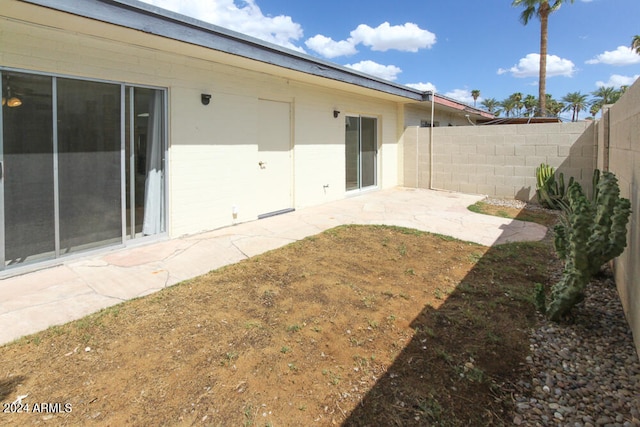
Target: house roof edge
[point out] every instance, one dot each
(151, 19)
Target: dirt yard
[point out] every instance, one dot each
(359, 325)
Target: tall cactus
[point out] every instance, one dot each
(590, 234)
(549, 191)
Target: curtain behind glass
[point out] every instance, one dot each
(154, 212)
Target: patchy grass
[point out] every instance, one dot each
(541, 216)
(360, 325)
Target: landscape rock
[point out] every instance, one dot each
(588, 366)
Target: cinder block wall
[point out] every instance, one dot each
(624, 161)
(499, 161)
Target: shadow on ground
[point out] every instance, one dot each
(8, 386)
(479, 336)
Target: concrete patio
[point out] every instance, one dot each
(35, 301)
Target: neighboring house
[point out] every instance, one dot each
(519, 120)
(446, 112)
(123, 122)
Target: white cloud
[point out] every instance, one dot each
(462, 95)
(408, 37)
(330, 48)
(616, 80)
(246, 19)
(529, 66)
(387, 72)
(623, 55)
(423, 86)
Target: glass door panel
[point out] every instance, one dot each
(361, 148)
(369, 149)
(129, 160)
(89, 157)
(27, 168)
(352, 153)
(145, 162)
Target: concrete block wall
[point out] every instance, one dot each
(501, 160)
(498, 161)
(623, 132)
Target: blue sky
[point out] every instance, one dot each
(451, 46)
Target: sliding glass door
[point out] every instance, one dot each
(89, 177)
(81, 165)
(144, 162)
(27, 169)
(361, 149)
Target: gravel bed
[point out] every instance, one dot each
(584, 372)
(512, 203)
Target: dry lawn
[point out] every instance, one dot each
(359, 325)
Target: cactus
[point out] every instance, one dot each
(544, 173)
(570, 243)
(590, 233)
(549, 191)
(545, 182)
(540, 299)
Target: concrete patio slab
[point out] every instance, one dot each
(80, 286)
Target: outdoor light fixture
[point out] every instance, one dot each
(14, 102)
(205, 98)
(336, 113)
(11, 101)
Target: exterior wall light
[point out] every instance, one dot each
(11, 101)
(205, 98)
(336, 113)
(14, 102)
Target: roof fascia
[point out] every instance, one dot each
(153, 20)
(443, 100)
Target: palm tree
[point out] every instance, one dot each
(604, 95)
(508, 105)
(541, 9)
(635, 44)
(517, 102)
(530, 102)
(553, 107)
(491, 104)
(575, 102)
(475, 94)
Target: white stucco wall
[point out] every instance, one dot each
(213, 151)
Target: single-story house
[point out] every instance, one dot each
(519, 120)
(446, 112)
(122, 123)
